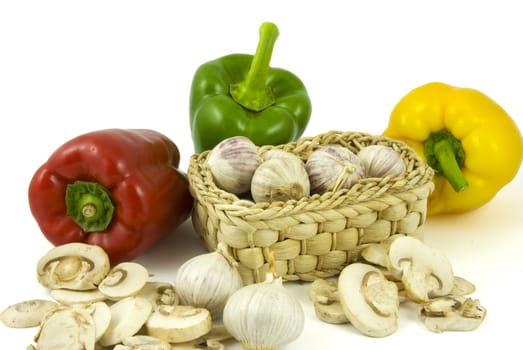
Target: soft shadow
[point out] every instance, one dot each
(174, 249)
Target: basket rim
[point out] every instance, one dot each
(418, 173)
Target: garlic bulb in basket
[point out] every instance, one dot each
(333, 167)
(264, 315)
(280, 179)
(207, 280)
(232, 163)
(381, 161)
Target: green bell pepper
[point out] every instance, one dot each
(241, 94)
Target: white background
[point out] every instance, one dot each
(69, 67)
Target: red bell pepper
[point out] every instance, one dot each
(115, 188)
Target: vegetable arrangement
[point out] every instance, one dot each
(116, 188)
(106, 197)
(471, 142)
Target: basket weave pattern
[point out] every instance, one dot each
(318, 235)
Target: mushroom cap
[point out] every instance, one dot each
(369, 300)
(425, 271)
(159, 293)
(66, 329)
(71, 297)
(77, 266)
(27, 313)
(179, 323)
(124, 280)
(452, 313)
(128, 315)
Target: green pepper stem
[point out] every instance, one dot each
(253, 93)
(446, 156)
(89, 204)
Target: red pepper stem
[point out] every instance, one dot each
(89, 204)
(253, 93)
(445, 154)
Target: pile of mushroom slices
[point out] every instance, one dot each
(368, 294)
(99, 307)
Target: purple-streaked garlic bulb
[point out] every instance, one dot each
(232, 163)
(333, 167)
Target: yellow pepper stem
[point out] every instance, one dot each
(445, 155)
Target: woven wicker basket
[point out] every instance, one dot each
(319, 235)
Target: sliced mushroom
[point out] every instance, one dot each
(77, 266)
(128, 315)
(330, 313)
(180, 323)
(101, 314)
(425, 271)
(145, 342)
(210, 341)
(323, 290)
(327, 307)
(65, 329)
(159, 293)
(72, 297)
(27, 313)
(376, 253)
(369, 300)
(452, 313)
(124, 280)
(462, 286)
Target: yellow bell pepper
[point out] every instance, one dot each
(473, 145)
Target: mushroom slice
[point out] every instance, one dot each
(159, 293)
(179, 323)
(73, 297)
(452, 313)
(323, 291)
(425, 271)
(209, 341)
(324, 295)
(376, 253)
(77, 266)
(462, 286)
(101, 314)
(369, 300)
(330, 313)
(124, 280)
(27, 313)
(145, 342)
(128, 315)
(65, 329)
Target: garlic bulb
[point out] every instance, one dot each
(264, 315)
(280, 179)
(207, 281)
(332, 168)
(232, 163)
(381, 161)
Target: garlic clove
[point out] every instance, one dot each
(264, 315)
(232, 163)
(333, 167)
(280, 179)
(207, 281)
(381, 161)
